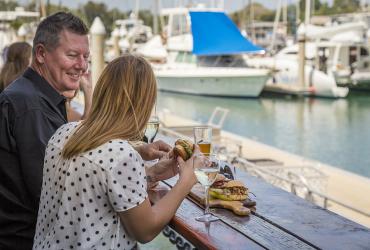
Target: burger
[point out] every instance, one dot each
(184, 149)
(228, 190)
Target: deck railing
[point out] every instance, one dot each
(269, 176)
(305, 181)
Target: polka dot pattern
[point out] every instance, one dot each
(81, 197)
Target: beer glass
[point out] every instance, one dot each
(203, 138)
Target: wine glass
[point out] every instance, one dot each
(206, 167)
(151, 129)
(203, 138)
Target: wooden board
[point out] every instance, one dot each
(197, 193)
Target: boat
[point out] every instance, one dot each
(207, 61)
(336, 57)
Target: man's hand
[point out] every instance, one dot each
(153, 151)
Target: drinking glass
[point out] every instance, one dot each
(203, 137)
(151, 129)
(206, 167)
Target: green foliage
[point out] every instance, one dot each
(345, 6)
(7, 5)
(147, 17)
(260, 13)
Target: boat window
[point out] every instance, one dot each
(222, 61)
(180, 57)
(364, 52)
(180, 25)
(189, 58)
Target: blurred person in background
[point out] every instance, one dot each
(17, 59)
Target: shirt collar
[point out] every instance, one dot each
(44, 86)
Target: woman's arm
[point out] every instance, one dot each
(144, 221)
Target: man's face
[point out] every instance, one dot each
(64, 66)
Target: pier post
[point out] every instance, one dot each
(116, 48)
(22, 33)
(301, 56)
(97, 49)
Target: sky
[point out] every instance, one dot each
(124, 5)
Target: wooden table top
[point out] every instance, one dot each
(281, 221)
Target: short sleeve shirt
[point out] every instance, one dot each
(81, 196)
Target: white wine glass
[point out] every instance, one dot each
(206, 168)
(151, 129)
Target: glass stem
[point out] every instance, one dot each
(206, 209)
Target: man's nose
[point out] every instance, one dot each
(82, 63)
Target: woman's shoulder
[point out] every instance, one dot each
(63, 132)
(114, 152)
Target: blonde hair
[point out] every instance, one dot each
(123, 100)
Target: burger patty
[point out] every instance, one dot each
(231, 190)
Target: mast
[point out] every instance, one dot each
(155, 17)
(308, 12)
(276, 22)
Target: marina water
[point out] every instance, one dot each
(332, 131)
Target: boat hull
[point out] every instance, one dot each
(220, 86)
(286, 76)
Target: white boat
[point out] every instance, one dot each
(213, 66)
(335, 57)
(132, 33)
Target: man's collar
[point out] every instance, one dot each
(44, 86)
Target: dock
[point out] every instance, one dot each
(342, 188)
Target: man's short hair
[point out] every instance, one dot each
(48, 30)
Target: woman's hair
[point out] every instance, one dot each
(17, 60)
(123, 99)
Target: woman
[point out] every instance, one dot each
(18, 58)
(94, 188)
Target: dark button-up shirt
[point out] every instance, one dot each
(30, 113)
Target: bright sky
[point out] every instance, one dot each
(230, 5)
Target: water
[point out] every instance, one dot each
(336, 132)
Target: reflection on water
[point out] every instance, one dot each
(332, 131)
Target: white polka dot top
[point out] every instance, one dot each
(81, 196)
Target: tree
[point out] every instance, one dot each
(345, 6)
(261, 13)
(9, 5)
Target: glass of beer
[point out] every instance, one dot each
(203, 138)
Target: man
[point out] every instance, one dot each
(32, 109)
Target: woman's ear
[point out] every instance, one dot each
(40, 52)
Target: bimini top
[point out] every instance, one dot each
(214, 33)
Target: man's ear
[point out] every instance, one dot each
(40, 53)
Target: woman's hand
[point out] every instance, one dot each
(186, 168)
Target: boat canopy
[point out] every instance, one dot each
(214, 33)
